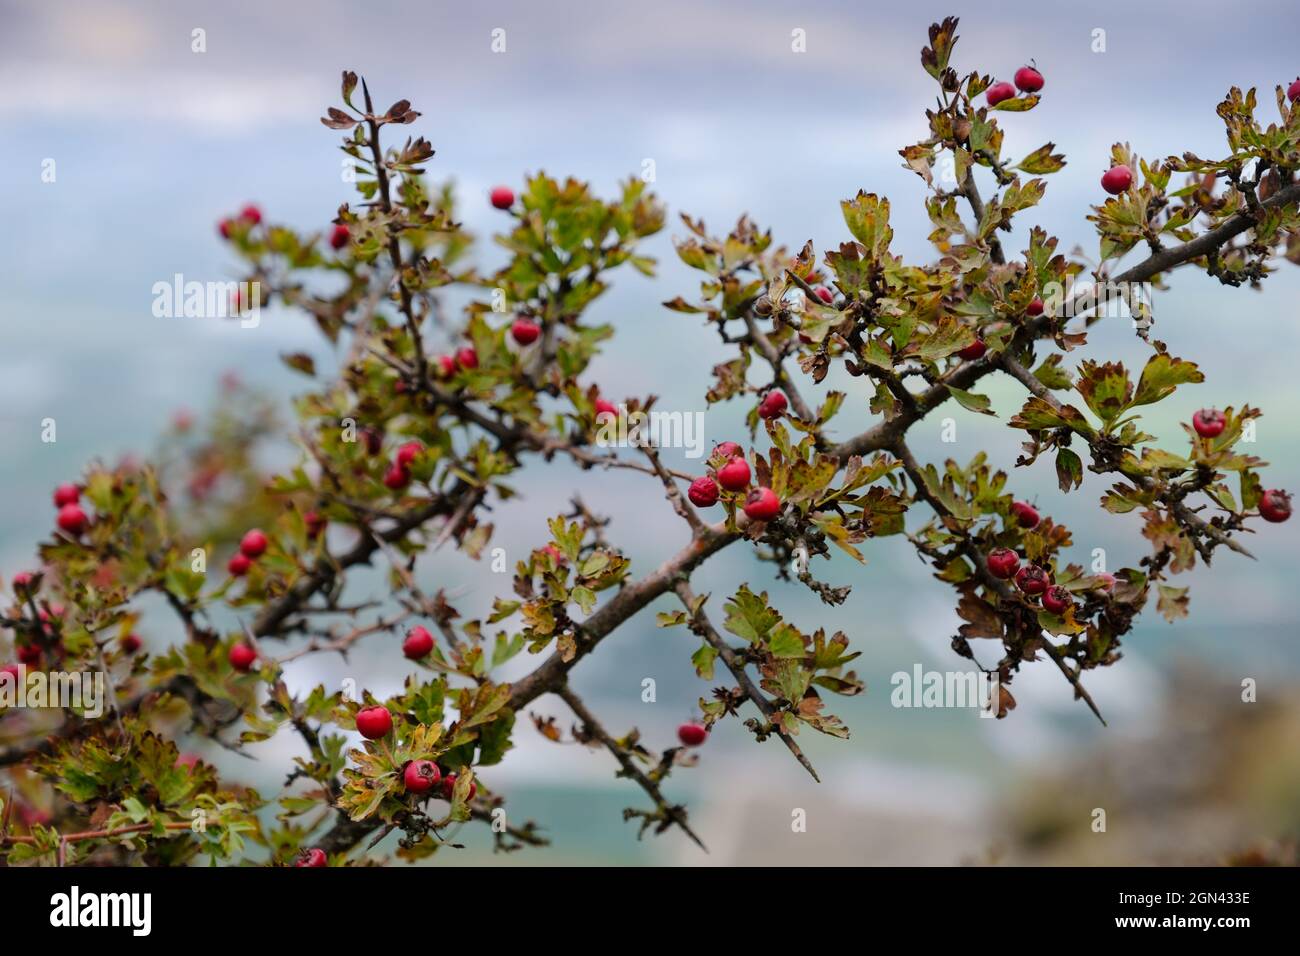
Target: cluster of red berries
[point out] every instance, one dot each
(249, 216)
(761, 504)
(1274, 504)
(71, 518)
(32, 653)
(1028, 80)
(1032, 580)
(464, 360)
(398, 475)
(251, 547)
(421, 776)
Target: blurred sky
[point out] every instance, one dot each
(154, 143)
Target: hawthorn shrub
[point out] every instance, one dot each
(427, 421)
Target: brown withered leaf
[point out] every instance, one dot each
(982, 620)
(1006, 702)
(546, 726)
(337, 119)
(299, 362)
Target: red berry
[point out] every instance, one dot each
(503, 197)
(449, 787)
(466, 357)
(1028, 80)
(692, 734)
(374, 722)
(1035, 307)
(703, 492)
(242, 657)
(130, 643)
(340, 236)
(762, 504)
(1293, 91)
(223, 227)
(253, 544)
(1056, 599)
(1117, 179)
(67, 494)
(728, 448)
(1275, 505)
(312, 857)
(734, 475)
(999, 92)
(374, 439)
(1209, 422)
(420, 776)
(773, 404)
(1026, 515)
(604, 408)
(239, 564)
(446, 366)
(315, 522)
(29, 654)
(418, 643)
(407, 453)
(1003, 563)
(397, 477)
(1032, 579)
(825, 294)
(72, 519)
(251, 213)
(973, 351)
(525, 332)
